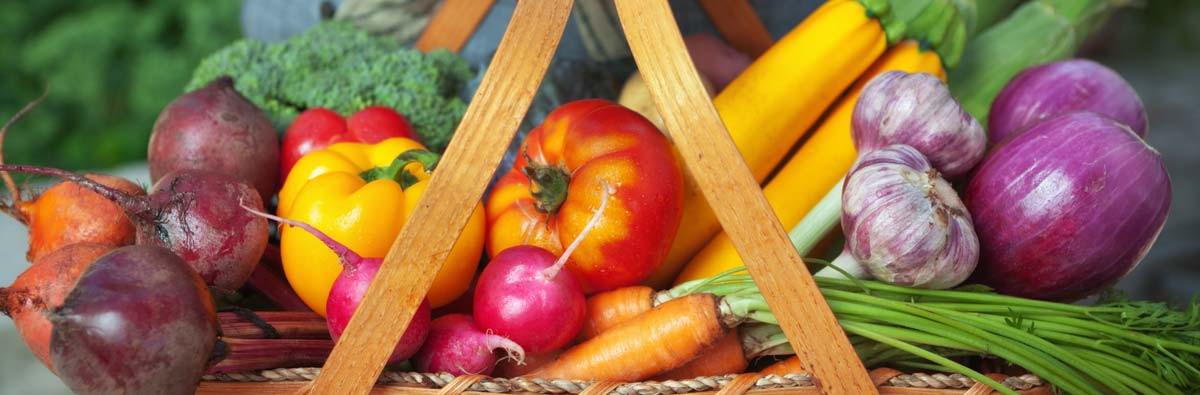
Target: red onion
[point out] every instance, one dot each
(917, 110)
(1067, 207)
(904, 224)
(1055, 88)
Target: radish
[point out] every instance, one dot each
(457, 345)
(195, 214)
(216, 129)
(350, 287)
(522, 296)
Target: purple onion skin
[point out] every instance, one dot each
(1041, 92)
(917, 110)
(905, 224)
(1066, 208)
(138, 321)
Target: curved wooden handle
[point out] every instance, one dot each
(739, 24)
(731, 190)
(453, 24)
(475, 151)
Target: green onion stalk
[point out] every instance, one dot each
(1119, 347)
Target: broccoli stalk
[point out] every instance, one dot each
(340, 67)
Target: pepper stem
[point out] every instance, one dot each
(395, 170)
(606, 192)
(548, 186)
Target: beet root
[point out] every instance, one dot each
(196, 214)
(200, 218)
(215, 128)
(41, 288)
(67, 213)
(138, 321)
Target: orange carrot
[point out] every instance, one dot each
(790, 365)
(725, 357)
(607, 309)
(654, 342)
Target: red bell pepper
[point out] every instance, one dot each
(317, 128)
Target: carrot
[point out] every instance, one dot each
(725, 357)
(607, 309)
(790, 365)
(657, 341)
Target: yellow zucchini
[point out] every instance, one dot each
(817, 165)
(778, 98)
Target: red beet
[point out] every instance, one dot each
(195, 214)
(43, 287)
(456, 345)
(138, 321)
(216, 129)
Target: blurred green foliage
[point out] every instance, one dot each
(110, 67)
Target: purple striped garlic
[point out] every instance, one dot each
(918, 110)
(904, 224)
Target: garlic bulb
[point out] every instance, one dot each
(904, 224)
(918, 110)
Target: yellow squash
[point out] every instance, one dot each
(818, 165)
(778, 98)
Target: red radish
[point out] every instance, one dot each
(521, 294)
(216, 129)
(66, 213)
(312, 130)
(41, 288)
(350, 287)
(196, 215)
(457, 345)
(377, 123)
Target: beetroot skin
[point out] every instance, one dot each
(42, 288)
(138, 321)
(215, 128)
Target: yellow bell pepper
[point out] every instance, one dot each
(328, 189)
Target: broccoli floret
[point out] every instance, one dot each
(340, 67)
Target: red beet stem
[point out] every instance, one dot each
(138, 207)
(268, 280)
(286, 324)
(350, 259)
(248, 355)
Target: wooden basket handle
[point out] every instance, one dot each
(453, 24)
(731, 190)
(474, 153)
(739, 24)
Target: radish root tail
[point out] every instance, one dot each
(511, 349)
(347, 255)
(607, 190)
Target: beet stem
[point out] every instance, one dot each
(288, 325)
(8, 180)
(247, 355)
(267, 280)
(138, 207)
(350, 259)
(606, 192)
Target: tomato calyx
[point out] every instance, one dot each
(548, 185)
(395, 170)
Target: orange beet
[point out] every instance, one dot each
(67, 214)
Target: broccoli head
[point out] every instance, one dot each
(338, 66)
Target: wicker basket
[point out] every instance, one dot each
(356, 364)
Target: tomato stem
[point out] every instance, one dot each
(548, 185)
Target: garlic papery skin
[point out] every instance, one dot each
(917, 110)
(904, 224)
